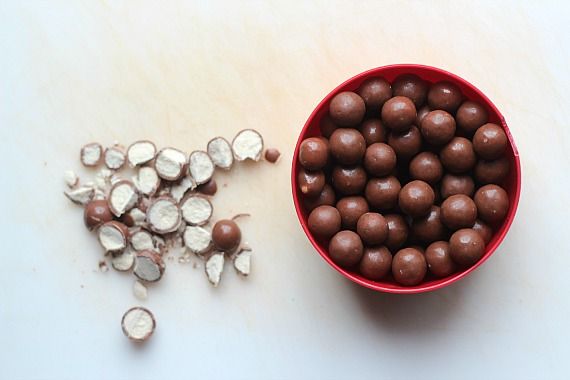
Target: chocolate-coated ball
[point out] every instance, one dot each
(376, 263)
(347, 146)
(345, 249)
(452, 184)
(349, 180)
(458, 155)
(422, 112)
(470, 116)
(398, 231)
(412, 87)
(458, 211)
(439, 260)
(406, 144)
(226, 235)
(426, 166)
(466, 247)
(416, 198)
(96, 213)
(375, 91)
(398, 113)
(373, 131)
(490, 141)
(429, 228)
(492, 171)
(314, 153)
(438, 127)
(382, 193)
(324, 221)
(347, 109)
(351, 209)
(492, 203)
(484, 230)
(311, 183)
(372, 228)
(327, 126)
(327, 196)
(444, 96)
(409, 267)
(379, 159)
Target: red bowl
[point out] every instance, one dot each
(431, 74)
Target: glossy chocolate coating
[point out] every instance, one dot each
(409, 267)
(311, 183)
(492, 203)
(484, 230)
(382, 193)
(452, 184)
(422, 112)
(466, 247)
(439, 260)
(470, 116)
(438, 127)
(375, 91)
(351, 209)
(490, 141)
(416, 198)
(376, 263)
(327, 126)
(492, 171)
(347, 146)
(412, 87)
(345, 248)
(372, 228)
(208, 188)
(327, 196)
(96, 213)
(226, 235)
(458, 155)
(379, 159)
(406, 144)
(398, 231)
(324, 221)
(314, 153)
(347, 109)
(458, 211)
(399, 113)
(426, 166)
(349, 180)
(444, 96)
(429, 228)
(373, 131)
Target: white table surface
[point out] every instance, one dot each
(181, 72)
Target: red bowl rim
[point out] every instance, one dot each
(458, 275)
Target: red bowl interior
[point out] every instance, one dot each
(431, 74)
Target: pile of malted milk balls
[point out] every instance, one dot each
(406, 177)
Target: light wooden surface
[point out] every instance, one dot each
(180, 73)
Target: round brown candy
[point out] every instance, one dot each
(412, 87)
(226, 235)
(490, 141)
(456, 184)
(351, 209)
(409, 267)
(439, 260)
(398, 113)
(372, 228)
(347, 145)
(398, 231)
(466, 247)
(470, 116)
(345, 249)
(373, 131)
(422, 112)
(492, 171)
(492, 203)
(375, 91)
(349, 180)
(438, 127)
(327, 196)
(382, 193)
(426, 166)
(376, 262)
(96, 213)
(416, 198)
(324, 221)
(484, 230)
(314, 153)
(327, 126)
(379, 159)
(458, 155)
(347, 109)
(429, 228)
(444, 96)
(311, 183)
(406, 144)
(458, 211)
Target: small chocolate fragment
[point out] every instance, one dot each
(409, 267)
(96, 213)
(439, 260)
(416, 198)
(406, 144)
(484, 230)
(445, 96)
(375, 92)
(347, 109)
(382, 193)
(426, 166)
(226, 235)
(327, 126)
(208, 188)
(411, 86)
(351, 209)
(373, 131)
(456, 184)
(347, 145)
(429, 228)
(397, 231)
(324, 221)
(398, 113)
(372, 228)
(327, 196)
(379, 159)
(492, 171)
(458, 155)
(492, 203)
(438, 127)
(466, 247)
(470, 116)
(313, 153)
(311, 183)
(490, 141)
(349, 180)
(272, 155)
(458, 211)
(376, 262)
(345, 249)
(422, 112)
